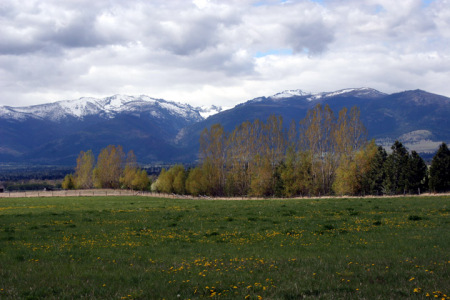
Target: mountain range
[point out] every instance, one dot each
(164, 131)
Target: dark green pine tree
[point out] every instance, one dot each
(416, 177)
(396, 165)
(373, 180)
(440, 170)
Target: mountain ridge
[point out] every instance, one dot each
(167, 131)
(106, 107)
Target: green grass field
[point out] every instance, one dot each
(146, 248)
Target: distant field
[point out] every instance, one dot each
(126, 247)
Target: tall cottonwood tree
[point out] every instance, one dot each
(195, 182)
(213, 144)
(83, 170)
(263, 159)
(295, 173)
(239, 158)
(317, 132)
(172, 180)
(270, 152)
(350, 134)
(130, 172)
(109, 167)
(353, 173)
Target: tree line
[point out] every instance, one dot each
(323, 154)
(113, 170)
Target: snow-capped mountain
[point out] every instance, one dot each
(300, 94)
(57, 132)
(207, 111)
(289, 94)
(163, 131)
(353, 92)
(108, 107)
(386, 116)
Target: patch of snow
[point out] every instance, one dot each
(416, 136)
(208, 111)
(106, 107)
(356, 92)
(155, 114)
(289, 94)
(173, 108)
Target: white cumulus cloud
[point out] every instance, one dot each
(219, 52)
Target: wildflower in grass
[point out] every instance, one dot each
(412, 278)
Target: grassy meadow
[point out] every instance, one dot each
(148, 248)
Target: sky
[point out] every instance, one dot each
(205, 52)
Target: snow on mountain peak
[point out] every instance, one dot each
(355, 92)
(207, 111)
(289, 93)
(107, 107)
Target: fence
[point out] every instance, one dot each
(111, 192)
(69, 193)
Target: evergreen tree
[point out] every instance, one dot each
(440, 170)
(416, 174)
(396, 166)
(375, 177)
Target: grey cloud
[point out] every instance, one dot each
(312, 37)
(84, 46)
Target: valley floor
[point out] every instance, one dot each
(130, 247)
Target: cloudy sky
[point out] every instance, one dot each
(217, 51)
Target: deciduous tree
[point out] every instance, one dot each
(68, 182)
(83, 170)
(109, 168)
